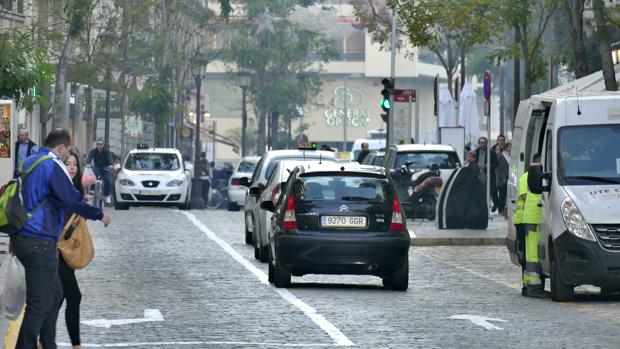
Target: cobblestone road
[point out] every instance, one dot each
(195, 269)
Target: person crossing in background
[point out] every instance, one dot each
(532, 218)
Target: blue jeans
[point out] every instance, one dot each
(43, 291)
(106, 177)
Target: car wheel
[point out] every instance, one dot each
(185, 206)
(232, 206)
(400, 277)
(271, 275)
(263, 253)
(560, 292)
(282, 276)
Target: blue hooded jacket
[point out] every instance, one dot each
(49, 190)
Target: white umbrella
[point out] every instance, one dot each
(446, 109)
(468, 114)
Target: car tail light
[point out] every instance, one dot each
(235, 181)
(290, 222)
(397, 216)
(275, 195)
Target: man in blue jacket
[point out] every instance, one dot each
(48, 192)
(24, 147)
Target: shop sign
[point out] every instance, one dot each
(355, 116)
(6, 110)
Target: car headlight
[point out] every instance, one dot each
(175, 183)
(575, 223)
(127, 182)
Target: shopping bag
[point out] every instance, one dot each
(88, 177)
(13, 295)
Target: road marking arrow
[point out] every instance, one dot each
(150, 315)
(479, 320)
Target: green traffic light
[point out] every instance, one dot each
(385, 103)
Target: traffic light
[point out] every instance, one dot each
(388, 89)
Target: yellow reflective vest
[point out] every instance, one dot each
(521, 194)
(532, 212)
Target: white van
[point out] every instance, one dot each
(578, 138)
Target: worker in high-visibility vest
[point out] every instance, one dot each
(532, 218)
(520, 226)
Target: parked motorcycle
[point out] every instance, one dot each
(417, 190)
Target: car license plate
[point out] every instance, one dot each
(150, 192)
(343, 221)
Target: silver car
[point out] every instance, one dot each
(254, 215)
(236, 191)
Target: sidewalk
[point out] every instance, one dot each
(426, 233)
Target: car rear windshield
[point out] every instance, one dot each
(342, 187)
(152, 162)
(424, 159)
(246, 166)
(272, 165)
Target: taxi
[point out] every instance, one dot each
(152, 176)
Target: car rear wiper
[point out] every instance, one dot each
(358, 198)
(594, 179)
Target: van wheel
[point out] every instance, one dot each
(282, 276)
(400, 277)
(560, 292)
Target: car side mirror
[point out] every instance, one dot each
(244, 181)
(254, 191)
(535, 179)
(268, 206)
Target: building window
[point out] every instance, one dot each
(7, 5)
(20, 6)
(354, 45)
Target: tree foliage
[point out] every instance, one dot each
(23, 70)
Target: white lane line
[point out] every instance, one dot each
(331, 330)
(159, 344)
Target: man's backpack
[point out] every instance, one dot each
(13, 215)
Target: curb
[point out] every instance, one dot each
(447, 241)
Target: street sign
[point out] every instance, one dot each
(186, 133)
(404, 96)
(401, 116)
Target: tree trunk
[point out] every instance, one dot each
(602, 33)
(574, 9)
(275, 122)
(260, 143)
(59, 116)
(502, 102)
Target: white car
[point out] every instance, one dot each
(254, 215)
(236, 191)
(421, 156)
(152, 176)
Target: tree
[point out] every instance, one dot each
(279, 53)
(574, 10)
(23, 70)
(602, 20)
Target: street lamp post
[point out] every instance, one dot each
(245, 78)
(196, 201)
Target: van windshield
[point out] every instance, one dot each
(589, 154)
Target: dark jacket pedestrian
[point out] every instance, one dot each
(363, 153)
(501, 178)
(24, 147)
(48, 194)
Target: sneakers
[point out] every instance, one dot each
(108, 199)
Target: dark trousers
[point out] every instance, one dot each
(43, 292)
(72, 294)
(106, 178)
(501, 198)
(493, 189)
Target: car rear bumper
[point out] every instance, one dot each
(341, 254)
(586, 262)
(236, 194)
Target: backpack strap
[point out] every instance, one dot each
(31, 167)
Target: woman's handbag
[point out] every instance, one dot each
(75, 244)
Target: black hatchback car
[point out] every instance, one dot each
(336, 218)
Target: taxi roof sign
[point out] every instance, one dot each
(307, 146)
(142, 146)
(343, 155)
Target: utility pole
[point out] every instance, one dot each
(390, 128)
